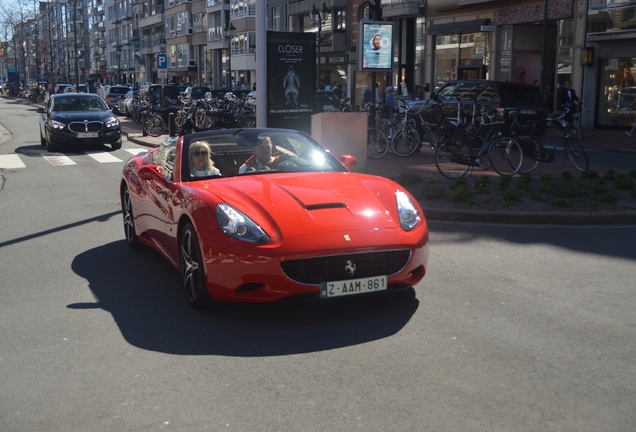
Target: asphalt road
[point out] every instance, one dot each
(514, 328)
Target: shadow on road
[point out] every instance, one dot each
(143, 293)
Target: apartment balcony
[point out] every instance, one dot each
(303, 7)
(611, 20)
(152, 20)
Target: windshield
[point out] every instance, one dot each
(255, 152)
(78, 103)
(118, 90)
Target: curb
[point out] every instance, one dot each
(548, 218)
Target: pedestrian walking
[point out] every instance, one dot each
(99, 89)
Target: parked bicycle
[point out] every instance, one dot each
(482, 145)
(534, 149)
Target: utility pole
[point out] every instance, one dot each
(75, 40)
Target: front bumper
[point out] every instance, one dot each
(66, 137)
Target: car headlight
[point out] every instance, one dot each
(407, 212)
(112, 123)
(56, 124)
(235, 224)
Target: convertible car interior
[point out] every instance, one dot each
(295, 152)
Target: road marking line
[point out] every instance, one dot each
(103, 157)
(57, 159)
(136, 151)
(11, 161)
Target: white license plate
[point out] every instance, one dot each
(87, 135)
(352, 286)
(532, 112)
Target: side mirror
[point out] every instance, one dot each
(40, 110)
(150, 172)
(348, 161)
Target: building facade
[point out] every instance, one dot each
(213, 43)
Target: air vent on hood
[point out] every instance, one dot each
(325, 206)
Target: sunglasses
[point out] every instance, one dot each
(201, 153)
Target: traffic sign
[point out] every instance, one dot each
(162, 73)
(162, 61)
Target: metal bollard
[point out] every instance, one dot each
(171, 128)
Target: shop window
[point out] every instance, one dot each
(617, 91)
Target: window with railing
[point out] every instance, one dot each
(244, 43)
(215, 30)
(199, 22)
(180, 55)
(242, 8)
(212, 3)
(181, 23)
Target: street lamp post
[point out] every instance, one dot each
(229, 35)
(319, 17)
(118, 54)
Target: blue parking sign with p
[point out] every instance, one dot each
(162, 61)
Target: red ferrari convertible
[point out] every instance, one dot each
(260, 215)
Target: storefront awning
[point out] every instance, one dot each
(458, 27)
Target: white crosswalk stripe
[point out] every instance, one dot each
(11, 161)
(136, 151)
(103, 157)
(58, 159)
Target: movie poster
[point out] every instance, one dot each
(291, 79)
(376, 46)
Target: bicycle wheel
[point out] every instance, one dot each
(531, 149)
(247, 121)
(154, 125)
(405, 141)
(506, 155)
(443, 160)
(576, 154)
(576, 123)
(377, 143)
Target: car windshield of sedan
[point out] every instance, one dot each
(78, 103)
(254, 152)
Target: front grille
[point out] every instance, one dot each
(334, 268)
(94, 126)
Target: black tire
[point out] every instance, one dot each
(377, 143)
(405, 142)
(115, 145)
(531, 149)
(506, 156)
(576, 153)
(42, 140)
(50, 147)
(154, 125)
(192, 269)
(129, 220)
(443, 162)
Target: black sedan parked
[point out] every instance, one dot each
(78, 119)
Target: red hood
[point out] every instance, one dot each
(311, 202)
